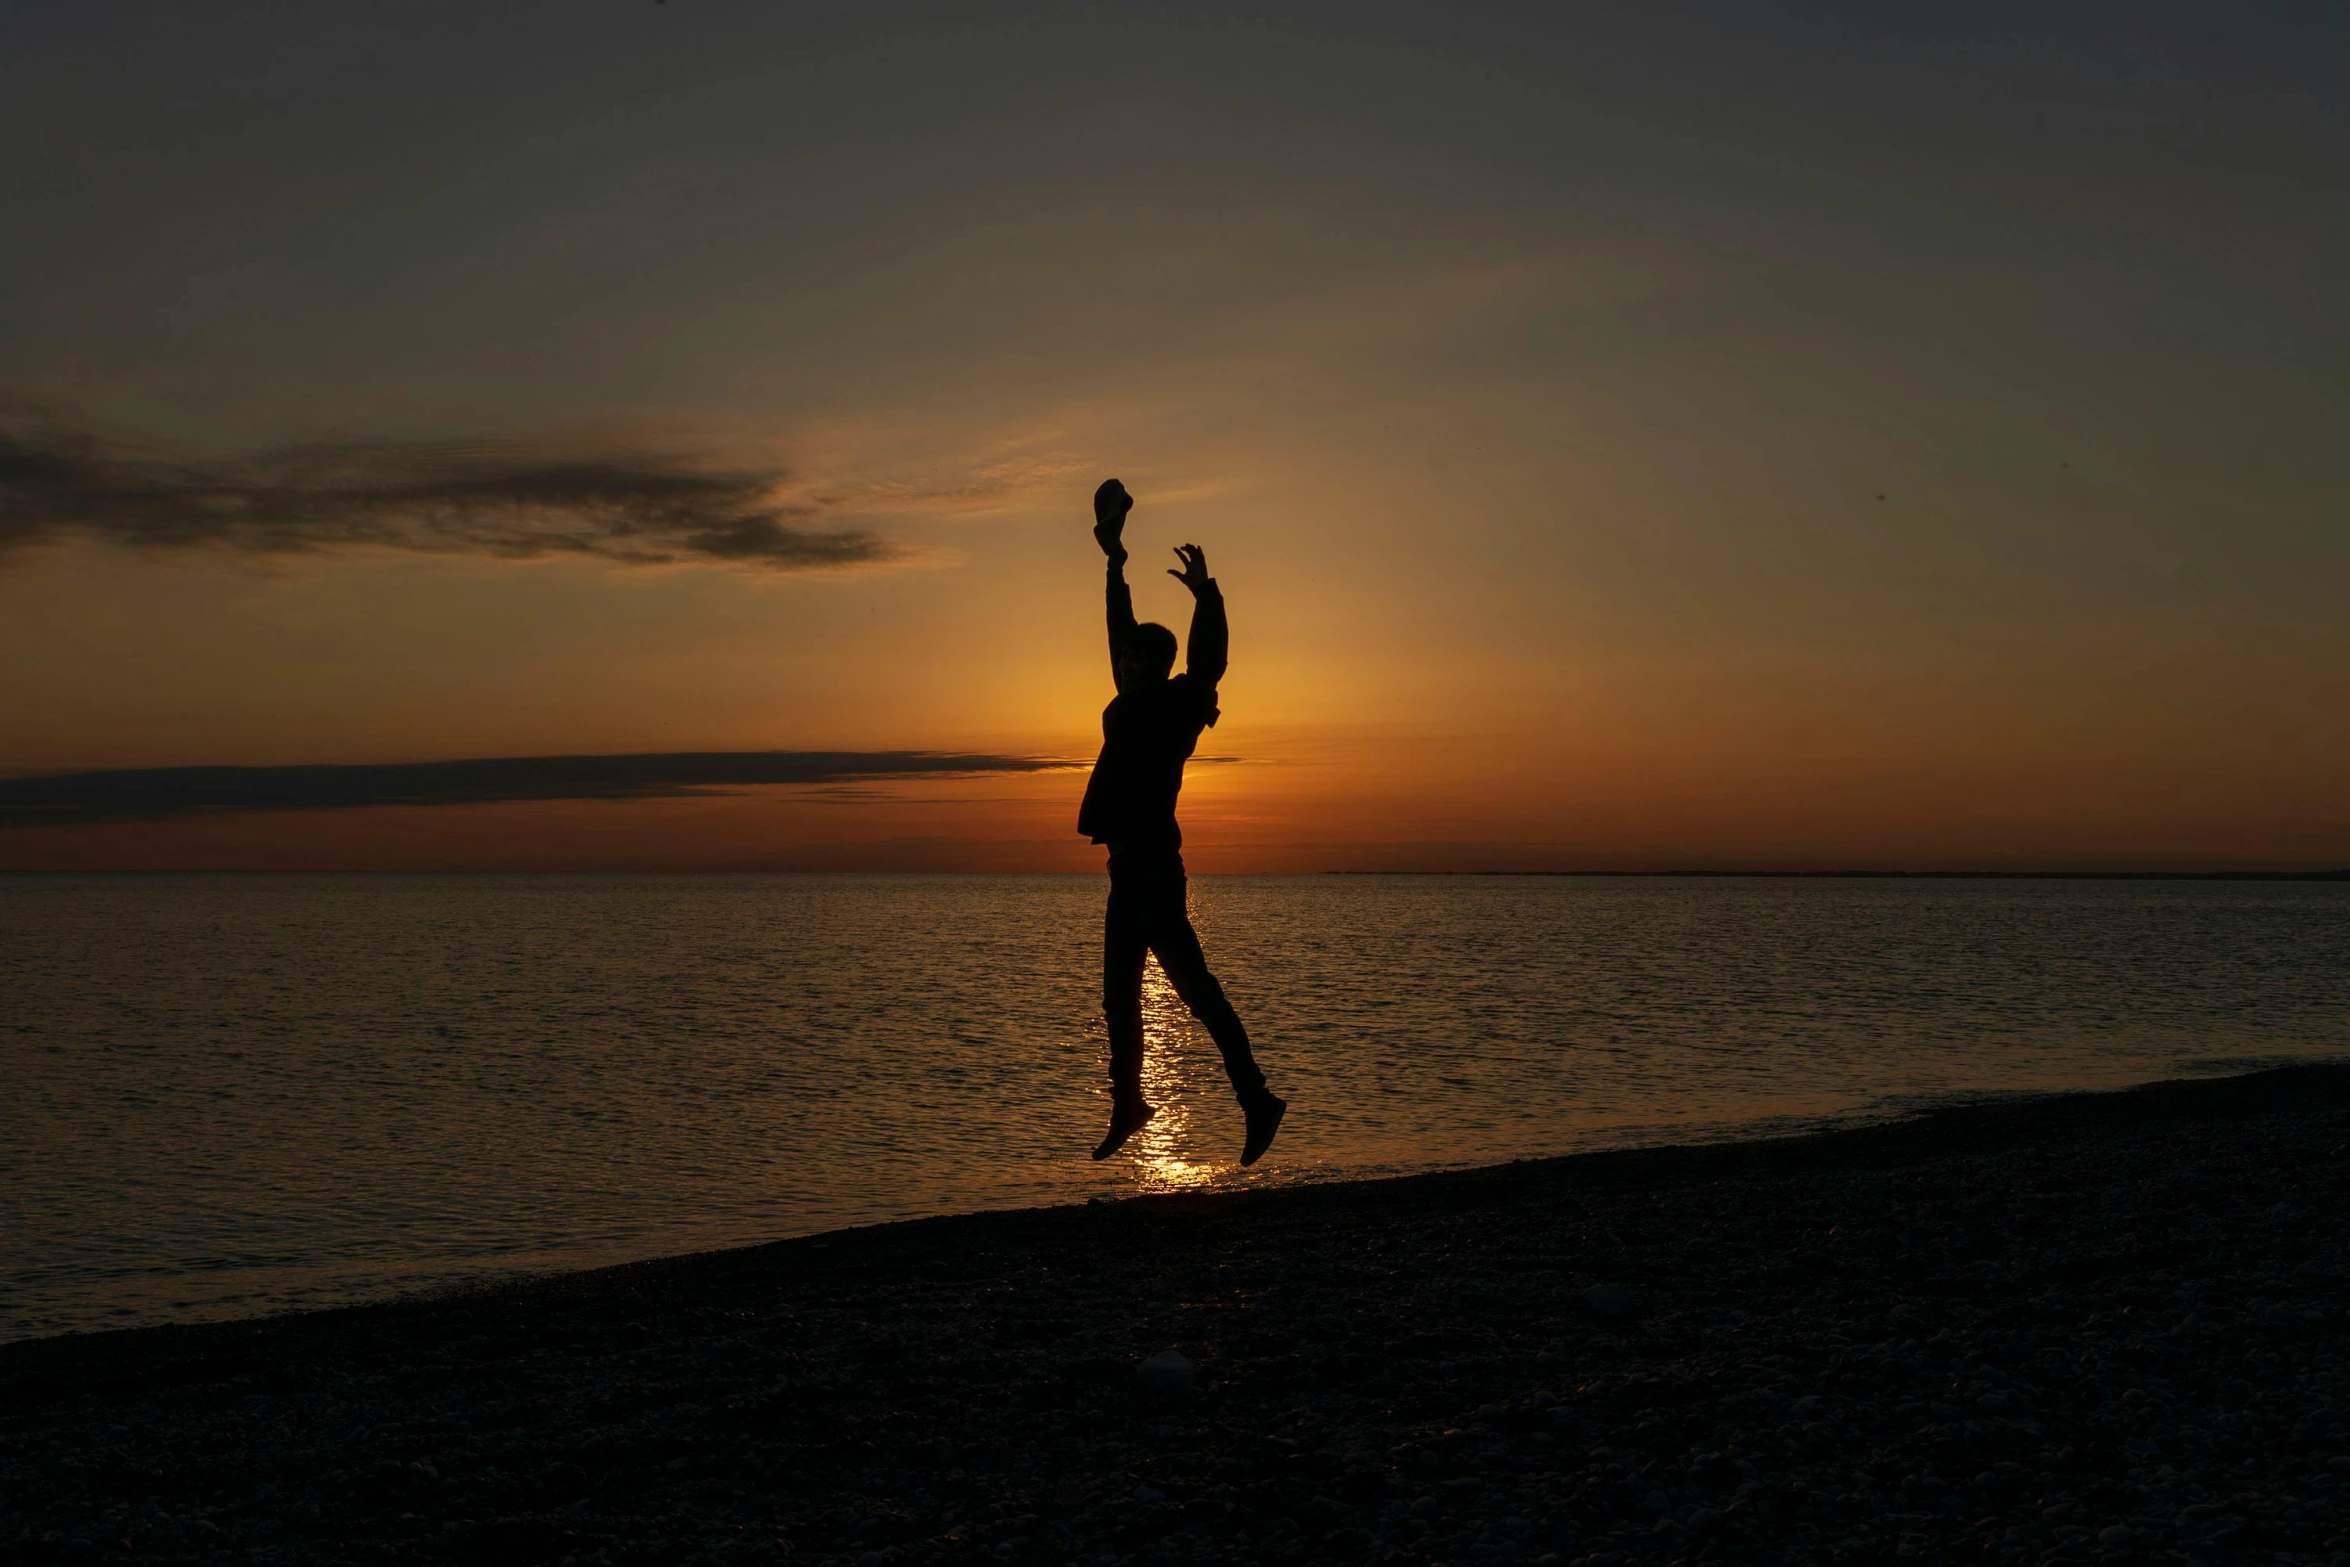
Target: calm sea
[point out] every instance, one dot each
(225, 1095)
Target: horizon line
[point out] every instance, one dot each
(2342, 874)
(2339, 875)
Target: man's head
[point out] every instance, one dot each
(1147, 657)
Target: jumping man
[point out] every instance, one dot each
(1148, 732)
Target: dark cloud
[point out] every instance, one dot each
(60, 480)
(147, 793)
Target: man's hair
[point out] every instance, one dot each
(1152, 641)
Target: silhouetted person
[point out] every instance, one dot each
(1148, 732)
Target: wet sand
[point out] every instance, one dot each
(2087, 1328)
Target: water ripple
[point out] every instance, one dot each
(225, 1095)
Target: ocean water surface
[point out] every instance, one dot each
(226, 1095)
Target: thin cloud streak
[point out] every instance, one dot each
(151, 793)
(60, 480)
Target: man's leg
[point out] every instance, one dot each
(1186, 967)
(1177, 945)
(1124, 942)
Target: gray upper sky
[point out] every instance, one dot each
(239, 216)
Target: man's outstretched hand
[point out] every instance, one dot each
(1111, 503)
(1194, 574)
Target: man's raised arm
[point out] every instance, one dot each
(1111, 503)
(1210, 640)
(1121, 607)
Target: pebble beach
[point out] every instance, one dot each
(2087, 1328)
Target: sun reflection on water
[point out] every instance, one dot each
(1184, 1078)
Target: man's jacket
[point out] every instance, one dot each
(1147, 735)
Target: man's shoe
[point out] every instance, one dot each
(1125, 1121)
(1264, 1119)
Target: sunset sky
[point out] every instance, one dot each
(1627, 436)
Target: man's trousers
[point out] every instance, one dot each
(1149, 912)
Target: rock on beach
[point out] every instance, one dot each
(2087, 1329)
(1168, 1371)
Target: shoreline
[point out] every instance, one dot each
(1772, 1131)
(2003, 1329)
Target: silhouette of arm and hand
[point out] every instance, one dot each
(1210, 642)
(1111, 503)
(1208, 647)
